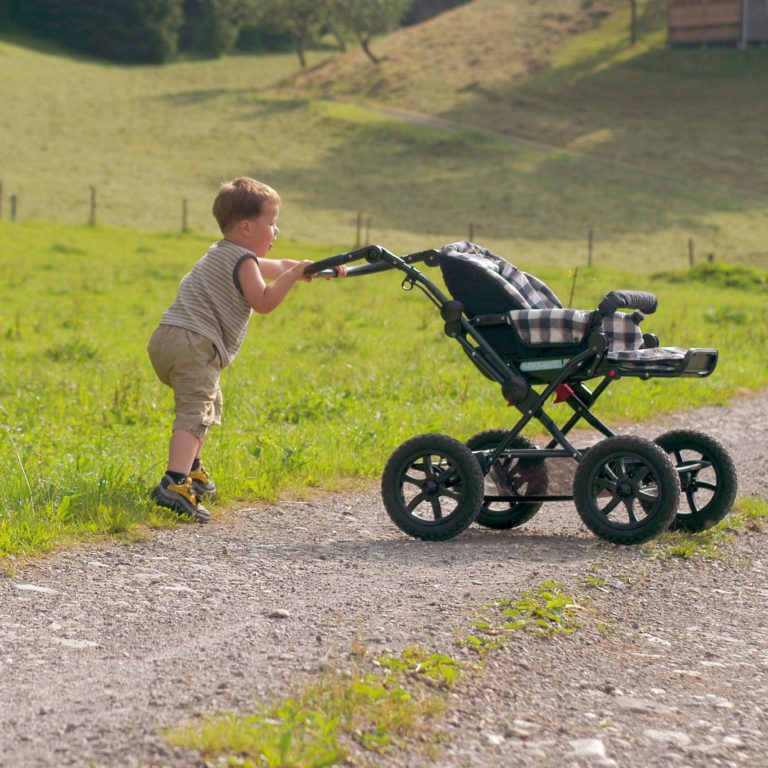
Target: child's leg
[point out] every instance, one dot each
(184, 449)
(190, 365)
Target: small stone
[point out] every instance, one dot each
(587, 748)
(278, 613)
(494, 739)
(669, 737)
(36, 588)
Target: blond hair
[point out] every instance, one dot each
(241, 198)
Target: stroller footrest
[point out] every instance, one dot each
(665, 361)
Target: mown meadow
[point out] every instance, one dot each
(323, 391)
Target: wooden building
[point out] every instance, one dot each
(719, 22)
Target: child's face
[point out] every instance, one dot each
(262, 230)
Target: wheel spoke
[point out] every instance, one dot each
(605, 483)
(640, 474)
(629, 505)
(694, 507)
(648, 498)
(437, 510)
(415, 501)
(610, 506)
(622, 473)
(413, 480)
(707, 486)
(444, 474)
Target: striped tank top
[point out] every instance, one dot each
(209, 301)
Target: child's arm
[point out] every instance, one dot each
(271, 269)
(264, 297)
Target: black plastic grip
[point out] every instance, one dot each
(642, 300)
(380, 260)
(370, 252)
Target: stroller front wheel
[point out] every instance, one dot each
(626, 490)
(432, 487)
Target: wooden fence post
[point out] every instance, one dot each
(92, 217)
(368, 231)
(590, 246)
(690, 252)
(471, 232)
(14, 202)
(358, 229)
(184, 220)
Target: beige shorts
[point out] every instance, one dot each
(190, 365)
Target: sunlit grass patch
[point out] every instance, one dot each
(341, 714)
(330, 717)
(546, 611)
(748, 514)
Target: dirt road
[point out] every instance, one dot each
(99, 646)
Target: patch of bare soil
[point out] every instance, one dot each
(100, 646)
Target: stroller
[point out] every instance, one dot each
(517, 333)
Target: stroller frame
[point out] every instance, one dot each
(621, 475)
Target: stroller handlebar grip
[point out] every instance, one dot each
(642, 300)
(327, 266)
(379, 260)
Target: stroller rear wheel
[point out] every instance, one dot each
(707, 478)
(626, 490)
(509, 477)
(432, 487)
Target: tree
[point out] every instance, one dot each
(144, 31)
(363, 19)
(302, 18)
(212, 26)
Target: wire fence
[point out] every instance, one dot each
(88, 210)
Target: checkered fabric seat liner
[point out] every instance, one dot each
(545, 327)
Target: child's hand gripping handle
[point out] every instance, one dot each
(332, 266)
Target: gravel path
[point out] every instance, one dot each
(101, 645)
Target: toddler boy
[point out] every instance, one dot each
(202, 331)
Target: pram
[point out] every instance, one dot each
(517, 333)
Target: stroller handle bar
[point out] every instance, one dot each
(379, 260)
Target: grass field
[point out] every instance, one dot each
(551, 127)
(639, 145)
(323, 391)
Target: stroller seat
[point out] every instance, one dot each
(525, 322)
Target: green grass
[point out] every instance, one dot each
(345, 716)
(749, 513)
(323, 391)
(148, 137)
(373, 712)
(546, 611)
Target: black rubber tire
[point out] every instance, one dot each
(632, 475)
(432, 487)
(520, 477)
(709, 485)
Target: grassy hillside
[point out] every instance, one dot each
(148, 137)
(563, 73)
